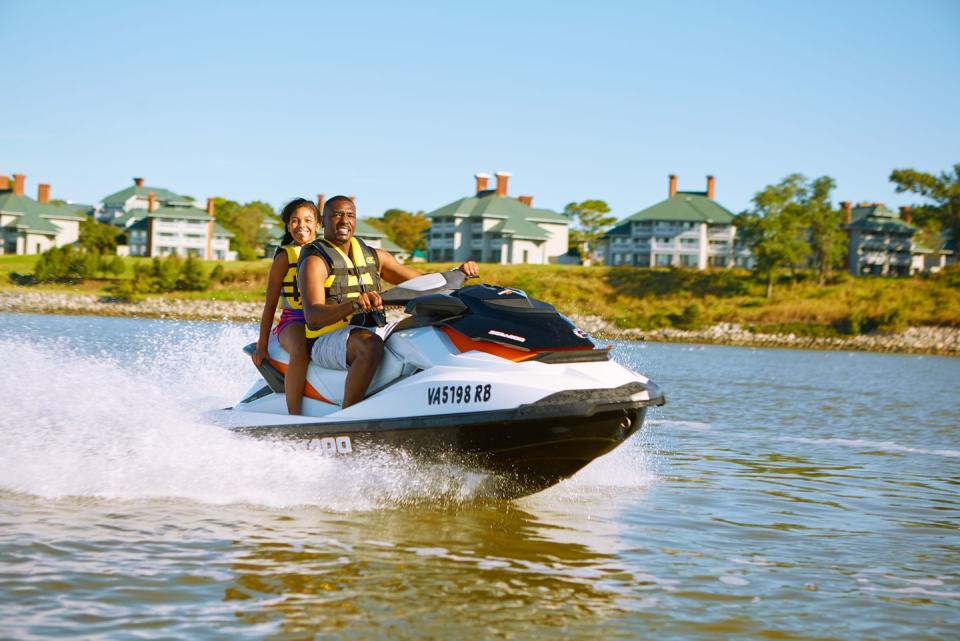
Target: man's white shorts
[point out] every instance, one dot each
(330, 350)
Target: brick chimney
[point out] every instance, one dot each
(138, 182)
(482, 181)
(711, 186)
(673, 185)
(4, 183)
(43, 192)
(151, 202)
(526, 200)
(321, 201)
(847, 208)
(18, 183)
(502, 178)
(906, 213)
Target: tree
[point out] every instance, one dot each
(827, 238)
(98, 238)
(943, 190)
(406, 229)
(245, 221)
(591, 222)
(775, 228)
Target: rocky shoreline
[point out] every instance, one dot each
(918, 340)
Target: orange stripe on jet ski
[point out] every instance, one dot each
(465, 344)
(308, 390)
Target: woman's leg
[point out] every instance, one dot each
(293, 340)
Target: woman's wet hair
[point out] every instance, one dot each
(289, 210)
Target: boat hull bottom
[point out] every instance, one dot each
(521, 456)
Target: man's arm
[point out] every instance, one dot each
(392, 271)
(395, 273)
(311, 274)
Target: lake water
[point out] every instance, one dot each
(779, 495)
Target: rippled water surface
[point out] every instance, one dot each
(779, 494)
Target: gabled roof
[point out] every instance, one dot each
(220, 230)
(488, 204)
(685, 206)
(33, 211)
(168, 212)
(364, 229)
(519, 228)
(877, 217)
(32, 223)
(516, 219)
(122, 196)
(180, 211)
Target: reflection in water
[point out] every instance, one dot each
(487, 567)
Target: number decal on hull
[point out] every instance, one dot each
(331, 445)
(458, 394)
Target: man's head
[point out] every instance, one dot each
(339, 220)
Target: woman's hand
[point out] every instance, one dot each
(259, 353)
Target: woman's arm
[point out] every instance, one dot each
(274, 282)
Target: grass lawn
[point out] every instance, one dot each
(653, 298)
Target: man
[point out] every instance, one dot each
(339, 276)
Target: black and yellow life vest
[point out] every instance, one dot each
(345, 273)
(289, 292)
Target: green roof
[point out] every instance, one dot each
(220, 230)
(122, 196)
(685, 206)
(487, 204)
(36, 216)
(519, 228)
(517, 219)
(181, 211)
(31, 222)
(391, 246)
(877, 217)
(134, 216)
(366, 230)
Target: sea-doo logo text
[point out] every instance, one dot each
(331, 445)
(448, 394)
(513, 337)
(579, 332)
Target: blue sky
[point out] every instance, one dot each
(401, 103)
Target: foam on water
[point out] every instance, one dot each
(129, 425)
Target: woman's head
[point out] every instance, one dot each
(301, 220)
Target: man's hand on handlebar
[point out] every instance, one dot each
(470, 268)
(369, 300)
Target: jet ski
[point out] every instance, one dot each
(481, 375)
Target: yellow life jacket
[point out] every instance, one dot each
(289, 292)
(345, 273)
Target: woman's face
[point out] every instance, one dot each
(303, 226)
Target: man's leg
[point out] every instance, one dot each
(364, 353)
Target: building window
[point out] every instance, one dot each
(689, 242)
(665, 240)
(664, 260)
(717, 261)
(688, 261)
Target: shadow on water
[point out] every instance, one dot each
(493, 570)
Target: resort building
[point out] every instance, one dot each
(135, 197)
(158, 222)
(493, 227)
(175, 228)
(880, 241)
(29, 226)
(688, 229)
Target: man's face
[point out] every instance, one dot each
(340, 221)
